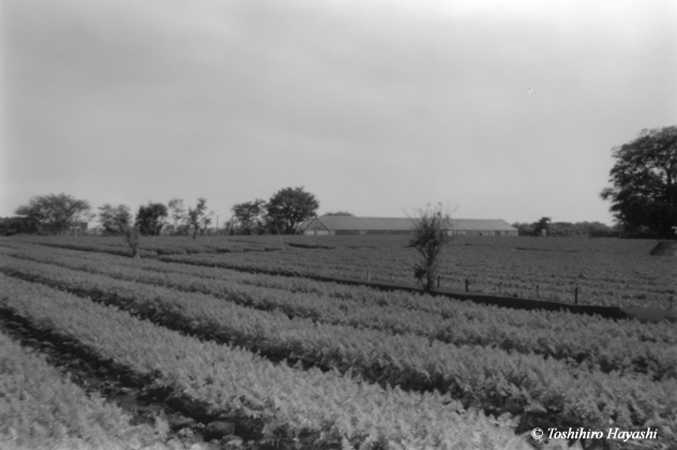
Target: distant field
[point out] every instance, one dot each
(605, 271)
(309, 364)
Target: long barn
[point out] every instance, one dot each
(337, 225)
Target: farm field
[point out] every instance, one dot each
(605, 271)
(39, 409)
(151, 246)
(297, 363)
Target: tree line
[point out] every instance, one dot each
(65, 214)
(546, 227)
(286, 210)
(643, 197)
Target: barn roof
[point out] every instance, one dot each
(404, 223)
(482, 224)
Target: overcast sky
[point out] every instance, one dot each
(497, 109)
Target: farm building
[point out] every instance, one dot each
(337, 225)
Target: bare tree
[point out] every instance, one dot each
(431, 233)
(198, 218)
(178, 215)
(131, 235)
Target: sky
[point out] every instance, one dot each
(496, 109)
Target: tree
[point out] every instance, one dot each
(430, 236)
(595, 229)
(115, 219)
(198, 218)
(542, 227)
(564, 229)
(524, 229)
(149, 219)
(178, 215)
(17, 225)
(644, 183)
(289, 207)
(55, 213)
(338, 213)
(248, 216)
(131, 235)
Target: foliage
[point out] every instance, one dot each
(236, 382)
(131, 235)
(542, 227)
(596, 342)
(580, 229)
(566, 229)
(115, 219)
(39, 408)
(248, 217)
(177, 213)
(524, 229)
(198, 218)
(149, 219)
(644, 183)
(480, 376)
(55, 214)
(606, 271)
(430, 236)
(288, 208)
(165, 245)
(10, 226)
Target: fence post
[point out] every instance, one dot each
(576, 295)
(368, 275)
(466, 285)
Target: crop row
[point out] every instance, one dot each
(39, 409)
(366, 296)
(600, 279)
(150, 247)
(284, 401)
(580, 340)
(606, 272)
(544, 391)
